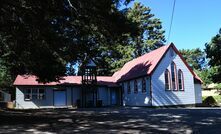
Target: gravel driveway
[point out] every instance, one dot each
(112, 120)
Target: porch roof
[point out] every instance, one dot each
(31, 80)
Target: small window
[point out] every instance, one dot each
(181, 81)
(128, 88)
(174, 76)
(27, 94)
(41, 94)
(143, 85)
(167, 80)
(135, 86)
(34, 94)
(87, 72)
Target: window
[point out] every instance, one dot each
(41, 94)
(167, 79)
(87, 72)
(143, 85)
(128, 88)
(27, 94)
(34, 94)
(181, 81)
(135, 86)
(173, 75)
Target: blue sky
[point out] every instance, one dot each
(195, 21)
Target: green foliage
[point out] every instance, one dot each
(218, 86)
(196, 58)
(150, 33)
(41, 37)
(210, 101)
(213, 51)
(205, 75)
(5, 78)
(150, 36)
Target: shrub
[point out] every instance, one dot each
(218, 87)
(210, 101)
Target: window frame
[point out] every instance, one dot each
(168, 79)
(180, 72)
(41, 96)
(174, 69)
(30, 92)
(26, 93)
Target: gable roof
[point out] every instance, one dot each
(139, 67)
(146, 64)
(31, 80)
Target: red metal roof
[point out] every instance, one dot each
(31, 80)
(145, 64)
(141, 66)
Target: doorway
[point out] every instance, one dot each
(60, 98)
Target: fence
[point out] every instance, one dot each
(4, 96)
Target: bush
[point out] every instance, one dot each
(218, 87)
(210, 101)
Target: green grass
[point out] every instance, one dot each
(217, 98)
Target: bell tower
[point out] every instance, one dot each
(89, 84)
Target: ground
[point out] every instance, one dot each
(112, 120)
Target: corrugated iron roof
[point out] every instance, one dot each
(31, 80)
(141, 66)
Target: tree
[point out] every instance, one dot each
(205, 75)
(196, 58)
(150, 36)
(113, 59)
(213, 51)
(41, 37)
(5, 78)
(150, 33)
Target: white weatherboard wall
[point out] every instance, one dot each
(198, 93)
(23, 104)
(73, 94)
(137, 99)
(162, 97)
(35, 104)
